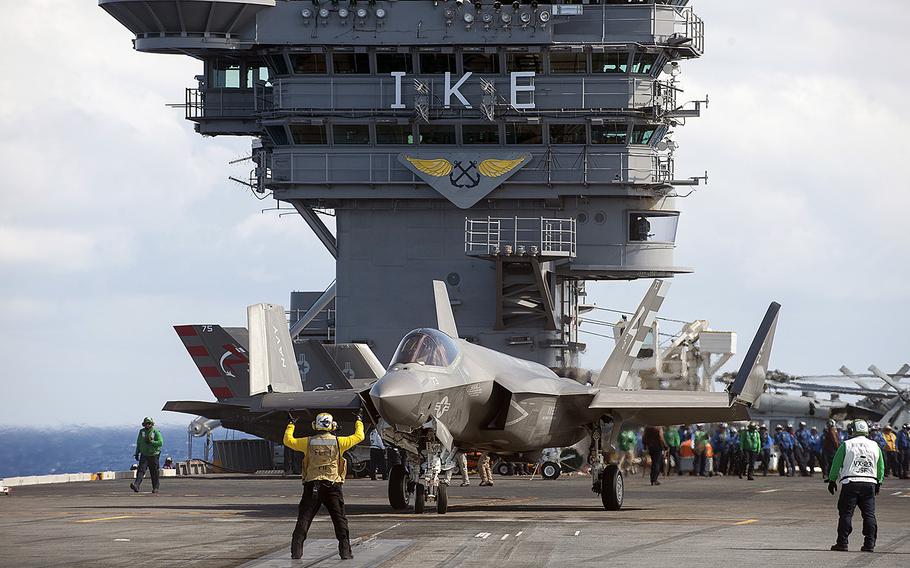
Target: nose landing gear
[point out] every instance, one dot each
(419, 479)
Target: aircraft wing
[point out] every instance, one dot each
(657, 408)
(213, 410)
(348, 399)
(664, 408)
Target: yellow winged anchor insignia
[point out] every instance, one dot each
(495, 168)
(436, 168)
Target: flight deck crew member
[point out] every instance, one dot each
(785, 442)
(377, 455)
(860, 468)
(719, 443)
(461, 461)
(892, 462)
(903, 447)
(830, 443)
(671, 437)
(803, 449)
(653, 440)
(148, 450)
(750, 444)
(324, 470)
(700, 449)
(486, 473)
(766, 443)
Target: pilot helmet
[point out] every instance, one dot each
(324, 422)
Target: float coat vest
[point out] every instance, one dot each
(324, 460)
(861, 460)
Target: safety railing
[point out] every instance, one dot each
(222, 103)
(520, 236)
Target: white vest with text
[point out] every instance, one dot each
(860, 461)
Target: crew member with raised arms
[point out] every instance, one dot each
(324, 470)
(860, 468)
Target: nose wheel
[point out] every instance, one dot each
(400, 488)
(612, 488)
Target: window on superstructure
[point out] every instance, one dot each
(643, 62)
(480, 134)
(351, 63)
(562, 62)
(437, 63)
(653, 227)
(308, 63)
(226, 75)
(394, 134)
(567, 134)
(278, 135)
(351, 134)
(308, 134)
(524, 134)
(256, 72)
(480, 62)
(437, 133)
(523, 62)
(279, 64)
(610, 62)
(642, 134)
(389, 62)
(609, 133)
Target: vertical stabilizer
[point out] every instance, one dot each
(617, 367)
(221, 356)
(273, 365)
(750, 380)
(445, 319)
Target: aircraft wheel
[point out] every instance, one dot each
(420, 499)
(398, 488)
(550, 470)
(612, 488)
(442, 499)
(504, 468)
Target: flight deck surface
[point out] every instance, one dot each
(219, 521)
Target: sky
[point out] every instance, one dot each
(117, 221)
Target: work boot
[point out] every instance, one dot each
(344, 549)
(134, 487)
(464, 484)
(296, 549)
(155, 490)
(839, 547)
(750, 478)
(868, 548)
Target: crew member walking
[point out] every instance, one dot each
(653, 440)
(830, 443)
(785, 446)
(860, 468)
(903, 446)
(324, 470)
(671, 437)
(766, 443)
(461, 461)
(148, 450)
(486, 474)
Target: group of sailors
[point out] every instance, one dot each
(738, 452)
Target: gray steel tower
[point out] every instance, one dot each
(513, 150)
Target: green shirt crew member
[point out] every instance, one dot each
(750, 444)
(671, 437)
(324, 470)
(148, 449)
(860, 468)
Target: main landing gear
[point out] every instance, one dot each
(608, 481)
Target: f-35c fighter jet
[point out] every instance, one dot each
(442, 394)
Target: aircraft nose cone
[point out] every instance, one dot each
(395, 402)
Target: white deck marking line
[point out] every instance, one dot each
(106, 519)
(897, 493)
(482, 535)
(746, 522)
(577, 533)
(518, 534)
(121, 540)
(769, 490)
(505, 536)
(374, 535)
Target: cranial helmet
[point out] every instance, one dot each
(858, 427)
(778, 427)
(830, 423)
(148, 420)
(801, 424)
(324, 422)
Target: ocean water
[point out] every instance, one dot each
(72, 449)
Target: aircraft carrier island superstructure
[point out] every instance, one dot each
(513, 150)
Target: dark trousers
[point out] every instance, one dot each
(749, 466)
(657, 458)
(149, 463)
(377, 463)
(827, 459)
(812, 456)
(851, 495)
(893, 463)
(906, 463)
(765, 460)
(720, 461)
(315, 494)
(673, 460)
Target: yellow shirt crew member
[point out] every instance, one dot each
(324, 470)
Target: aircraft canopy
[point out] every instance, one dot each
(426, 347)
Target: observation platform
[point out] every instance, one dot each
(245, 521)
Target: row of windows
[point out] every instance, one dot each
(471, 134)
(383, 63)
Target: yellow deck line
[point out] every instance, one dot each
(746, 522)
(106, 519)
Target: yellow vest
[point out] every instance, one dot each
(324, 460)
